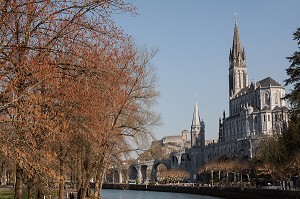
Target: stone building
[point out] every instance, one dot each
(179, 140)
(256, 112)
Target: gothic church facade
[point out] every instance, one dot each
(256, 112)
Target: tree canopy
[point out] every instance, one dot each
(74, 91)
(294, 76)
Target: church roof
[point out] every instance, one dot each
(263, 83)
(256, 109)
(266, 108)
(268, 82)
(285, 109)
(276, 108)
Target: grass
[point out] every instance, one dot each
(6, 193)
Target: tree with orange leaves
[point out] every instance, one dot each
(65, 70)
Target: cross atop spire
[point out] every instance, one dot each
(235, 16)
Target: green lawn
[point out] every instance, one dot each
(6, 193)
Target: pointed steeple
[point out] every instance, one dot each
(238, 78)
(197, 129)
(236, 44)
(237, 52)
(196, 117)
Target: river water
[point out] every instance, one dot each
(131, 194)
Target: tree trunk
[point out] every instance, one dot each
(100, 173)
(84, 189)
(1, 173)
(101, 182)
(86, 173)
(29, 189)
(97, 184)
(61, 191)
(19, 183)
(40, 194)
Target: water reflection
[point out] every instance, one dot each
(130, 194)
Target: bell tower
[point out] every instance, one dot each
(238, 77)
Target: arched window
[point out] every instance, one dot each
(185, 157)
(276, 98)
(266, 98)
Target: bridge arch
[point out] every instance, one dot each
(145, 173)
(186, 162)
(174, 161)
(133, 172)
(156, 168)
(113, 176)
(185, 157)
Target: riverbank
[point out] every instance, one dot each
(229, 193)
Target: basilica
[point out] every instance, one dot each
(257, 111)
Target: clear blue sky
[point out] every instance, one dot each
(194, 37)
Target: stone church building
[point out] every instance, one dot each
(256, 112)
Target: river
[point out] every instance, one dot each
(131, 194)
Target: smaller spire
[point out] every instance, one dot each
(196, 117)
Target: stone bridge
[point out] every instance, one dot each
(143, 172)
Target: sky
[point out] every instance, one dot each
(193, 38)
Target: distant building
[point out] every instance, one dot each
(178, 140)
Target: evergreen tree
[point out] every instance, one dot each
(294, 77)
(291, 136)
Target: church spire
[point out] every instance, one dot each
(197, 129)
(237, 52)
(196, 117)
(238, 77)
